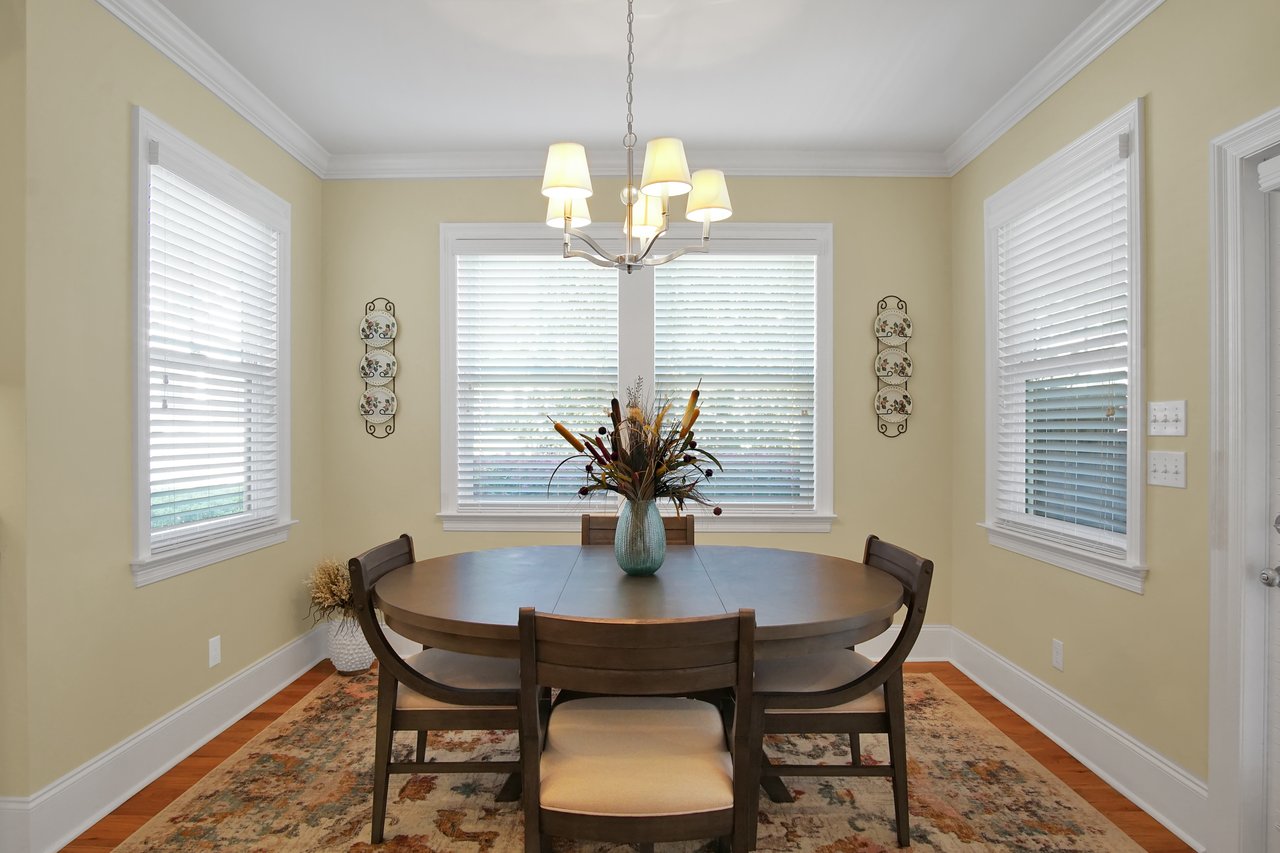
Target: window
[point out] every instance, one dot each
(212, 358)
(1064, 424)
(526, 333)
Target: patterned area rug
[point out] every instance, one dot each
(305, 784)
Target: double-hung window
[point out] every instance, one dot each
(527, 335)
(1064, 401)
(212, 367)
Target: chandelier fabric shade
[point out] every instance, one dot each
(566, 181)
(646, 217)
(666, 171)
(709, 199)
(566, 174)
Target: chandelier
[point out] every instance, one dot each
(566, 182)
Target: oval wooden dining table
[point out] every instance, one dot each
(804, 602)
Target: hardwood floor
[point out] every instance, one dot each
(107, 833)
(1137, 824)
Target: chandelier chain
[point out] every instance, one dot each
(629, 141)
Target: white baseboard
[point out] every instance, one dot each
(1155, 784)
(53, 816)
(15, 832)
(933, 644)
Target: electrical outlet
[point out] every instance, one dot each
(1167, 468)
(1169, 418)
(1057, 655)
(215, 651)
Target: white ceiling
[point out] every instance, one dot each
(470, 79)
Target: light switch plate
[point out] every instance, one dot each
(1167, 418)
(1167, 468)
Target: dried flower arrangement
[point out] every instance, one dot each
(330, 587)
(643, 456)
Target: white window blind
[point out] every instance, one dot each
(1063, 418)
(212, 369)
(213, 344)
(744, 326)
(537, 335)
(526, 333)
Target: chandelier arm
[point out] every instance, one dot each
(600, 250)
(648, 244)
(599, 261)
(701, 248)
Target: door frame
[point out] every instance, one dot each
(1239, 429)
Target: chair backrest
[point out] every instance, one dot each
(634, 658)
(599, 529)
(365, 571)
(637, 658)
(916, 576)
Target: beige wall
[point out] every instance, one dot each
(1139, 661)
(13, 410)
(891, 236)
(97, 645)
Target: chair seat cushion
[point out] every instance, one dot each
(457, 670)
(636, 756)
(822, 671)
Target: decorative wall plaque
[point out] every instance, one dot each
(378, 367)
(892, 366)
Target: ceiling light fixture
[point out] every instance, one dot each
(566, 182)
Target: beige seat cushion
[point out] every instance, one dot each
(636, 757)
(822, 671)
(457, 670)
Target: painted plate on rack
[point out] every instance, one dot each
(893, 327)
(378, 328)
(378, 367)
(378, 405)
(892, 405)
(893, 366)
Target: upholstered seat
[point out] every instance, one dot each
(472, 672)
(673, 759)
(637, 760)
(823, 671)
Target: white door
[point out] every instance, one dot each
(1273, 600)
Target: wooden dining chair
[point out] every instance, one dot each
(637, 765)
(432, 690)
(599, 529)
(842, 692)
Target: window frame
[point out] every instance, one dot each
(198, 166)
(730, 238)
(1053, 176)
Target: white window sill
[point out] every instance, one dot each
(177, 562)
(1119, 573)
(733, 521)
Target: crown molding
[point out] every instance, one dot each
(529, 164)
(1094, 35)
(166, 33)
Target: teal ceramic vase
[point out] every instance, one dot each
(640, 543)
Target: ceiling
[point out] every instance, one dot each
(476, 82)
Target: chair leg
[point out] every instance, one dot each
(744, 835)
(855, 749)
(382, 752)
(896, 706)
(420, 755)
